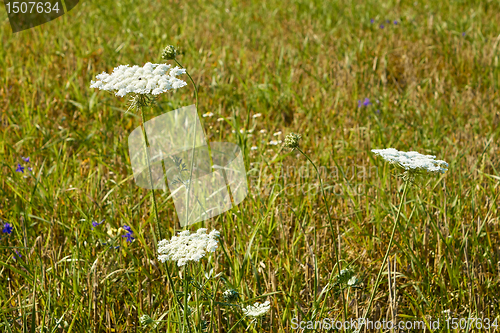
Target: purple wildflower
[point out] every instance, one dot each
(126, 227)
(395, 22)
(7, 228)
(95, 224)
(371, 21)
(367, 102)
(359, 103)
(26, 159)
(463, 34)
(388, 21)
(378, 111)
(18, 254)
(20, 168)
(381, 26)
(30, 169)
(129, 237)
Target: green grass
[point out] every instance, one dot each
(303, 65)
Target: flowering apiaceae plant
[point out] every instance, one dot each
(144, 85)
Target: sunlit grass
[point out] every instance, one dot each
(303, 65)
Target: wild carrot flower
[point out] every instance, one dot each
(256, 115)
(188, 247)
(20, 168)
(146, 321)
(231, 295)
(412, 161)
(208, 114)
(253, 148)
(149, 79)
(257, 309)
(274, 142)
(7, 228)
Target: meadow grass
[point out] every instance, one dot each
(433, 81)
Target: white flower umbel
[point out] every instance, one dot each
(257, 309)
(151, 79)
(412, 161)
(188, 247)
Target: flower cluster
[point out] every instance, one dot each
(188, 247)
(257, 309)
(231, 295)
(129, 235)
(146, 321)
(21, 168)
(149, 79)
(7, 228)
(412, 161)
(366, 102)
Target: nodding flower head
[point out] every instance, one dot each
(169, 53)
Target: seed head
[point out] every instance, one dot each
(292, 140)
(169, 53)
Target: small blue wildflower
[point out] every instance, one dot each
(463, 34)
(30, 169)
(381, 26)
(367, 102)
(18, 254)
(126, 227)
(20, 168)
(359, 103)
(26, 159)
(95, 224)
(378, 111)
(129, 237)
(7, 228)
(396, 22)
(387, 21)
(371, 21)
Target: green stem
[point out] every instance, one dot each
(186, 306)
(154, 205)
(331, 225)
(150, 176)
(194, 140)
(405, 190)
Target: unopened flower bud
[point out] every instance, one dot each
(169, 53)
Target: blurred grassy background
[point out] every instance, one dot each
(432, 78)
